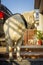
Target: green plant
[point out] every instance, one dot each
(39, 35)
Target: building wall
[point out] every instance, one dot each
(40, 22)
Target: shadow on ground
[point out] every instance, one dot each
(21, 63)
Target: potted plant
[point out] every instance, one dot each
(39, 36)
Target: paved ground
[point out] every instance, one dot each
(22, 63)
(15, 63)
